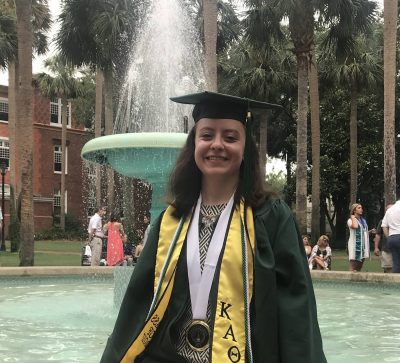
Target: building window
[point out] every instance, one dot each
(57, 159)
(5, 152)
(3, 109)
(57, 202)
(55, 112)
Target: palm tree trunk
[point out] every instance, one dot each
(315, 146)
(263, 145)
(301, 171)
(24, 110)
(108, 129)
(15, 181)
(210, 42)
(353, 145)
(389, 159)
(64, 119)
(97, 126)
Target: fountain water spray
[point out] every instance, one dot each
(166, 61)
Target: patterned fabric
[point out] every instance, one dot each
(209, 215)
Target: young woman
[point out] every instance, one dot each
(115, 249)
(307, 245)
(358, 244)
(321, 255)
(223, 276)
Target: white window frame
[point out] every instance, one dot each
(57, 152)
(4, 103)
(57, 200)
(56, 105)
(5, 150)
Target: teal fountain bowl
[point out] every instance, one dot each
(149, 156)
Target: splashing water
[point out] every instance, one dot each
(166, 61)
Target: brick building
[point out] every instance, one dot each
(47, 160)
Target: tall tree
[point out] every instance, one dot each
(62, 85)
(40, 25)
(390, 34)
(91, 33)
(210, 42)
(24, 115)
(350, 49)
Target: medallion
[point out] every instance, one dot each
(198, 335)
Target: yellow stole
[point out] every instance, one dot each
(230, 336)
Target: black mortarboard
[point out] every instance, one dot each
(218, 105)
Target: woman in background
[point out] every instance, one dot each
(321, 255)
(307, 245)
(358, 244)
(115, 248)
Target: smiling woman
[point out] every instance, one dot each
(218, 256)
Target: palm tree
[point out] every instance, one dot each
(263, 72)
(315, 148)
(355, 66)
(90, 34)
(8, 36)
(63, 85)
(24, 101)
(40, 25)
(390, 33)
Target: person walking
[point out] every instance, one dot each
(391, 229)
(381, 247)
(223, 276)
(358, 244)
(96, 235)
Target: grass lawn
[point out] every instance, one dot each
(68, 253)
(47, 253)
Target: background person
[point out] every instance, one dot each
(358, 244)
(146, 221)
(321, 255)
(96, 235)
(391, 229)
(177, 308)
(115, 233)
(307, 245)
(381, 248)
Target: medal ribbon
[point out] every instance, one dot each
(200, 283)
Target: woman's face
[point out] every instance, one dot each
(219, 147)
(358, 210)
(305, 241)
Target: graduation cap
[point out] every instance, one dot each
(222, 106)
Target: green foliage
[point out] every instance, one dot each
(73, 230)
(277, 181)
(84, 104)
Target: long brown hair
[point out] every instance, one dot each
(185, 180)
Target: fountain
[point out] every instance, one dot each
(149, 128)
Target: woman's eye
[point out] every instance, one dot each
(205, 136)
(231, 138)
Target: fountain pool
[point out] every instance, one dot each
(67, 319)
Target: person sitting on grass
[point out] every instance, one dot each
(321, 255)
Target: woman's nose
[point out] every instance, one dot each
(217, 143)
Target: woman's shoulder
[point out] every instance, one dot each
(272, 205)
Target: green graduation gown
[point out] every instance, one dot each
(284, 324)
